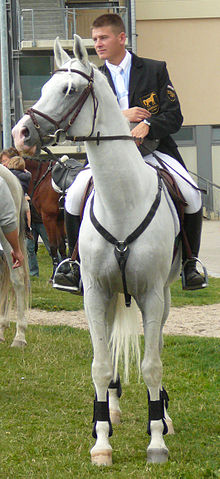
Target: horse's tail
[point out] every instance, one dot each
(22, 241)
(7, 295)
(124, 341)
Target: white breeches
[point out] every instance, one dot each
(193, 197)
(75, 192)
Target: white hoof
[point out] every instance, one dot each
(2, 340)
(157, 456)
(102, 458)
(18, 343)
(169, 424)
(115, 416)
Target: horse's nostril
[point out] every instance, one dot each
(25, 132)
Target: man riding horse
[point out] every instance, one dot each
(148, 100)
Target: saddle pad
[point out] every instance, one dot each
(64, 174)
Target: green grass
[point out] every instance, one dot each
(45, 297)
(46, 398)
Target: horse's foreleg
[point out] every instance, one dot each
(17, 279)
(102, 373)
(157, 451)
(167, 301)
(114, 389)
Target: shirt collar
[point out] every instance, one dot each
(125, 63)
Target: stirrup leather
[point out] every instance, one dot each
(183, 275)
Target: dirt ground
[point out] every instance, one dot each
(191, 320)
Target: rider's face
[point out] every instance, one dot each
(109, 45)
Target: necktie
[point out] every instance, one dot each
(122, 93)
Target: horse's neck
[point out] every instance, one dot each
(120, 176)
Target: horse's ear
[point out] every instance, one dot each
(79, 50)
(61, 56)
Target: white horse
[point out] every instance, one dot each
(78, 100)
(14, 283)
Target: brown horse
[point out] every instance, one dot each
(46, 202)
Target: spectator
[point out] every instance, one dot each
(38, 229)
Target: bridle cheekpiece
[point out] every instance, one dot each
(75, 109)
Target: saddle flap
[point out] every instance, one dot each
(64, 174)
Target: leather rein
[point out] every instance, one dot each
(75, 110)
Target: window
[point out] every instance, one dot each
(34, 72)
(216, 134)
(186, 135)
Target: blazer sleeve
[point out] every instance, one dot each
(169, 118)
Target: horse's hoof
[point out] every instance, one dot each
(157, 456)
(102, 458)
(170, 427)
(115, 416)
(2, 340)
(18, 343)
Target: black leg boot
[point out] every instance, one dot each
(193, 229)
(72, 224)
(69, 279)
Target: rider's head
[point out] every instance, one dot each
(108, 33)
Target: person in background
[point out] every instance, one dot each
(8, 223)
(16, 165)
(8, 153)
(38, 229)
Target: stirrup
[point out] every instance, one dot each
(203, 285)
(69, 289)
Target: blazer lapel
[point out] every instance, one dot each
(107, 73)
(135, 76)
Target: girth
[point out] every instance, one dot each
(122, 247)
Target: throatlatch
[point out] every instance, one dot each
(121, 247)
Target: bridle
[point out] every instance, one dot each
(75, 109)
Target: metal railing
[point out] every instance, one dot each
(210, 199)
(36, 24)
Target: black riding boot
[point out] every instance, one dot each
(69, 280)
(72, 224)
(193, 229)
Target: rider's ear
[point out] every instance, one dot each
(61, 56)
(79, 50)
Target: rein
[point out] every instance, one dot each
(122, 247)
(38, 182)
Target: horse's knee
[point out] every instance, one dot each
(152, 371)
(101, 373)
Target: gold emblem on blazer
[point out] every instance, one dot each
(151, 102)
(171, 93)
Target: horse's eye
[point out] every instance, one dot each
(67, 91)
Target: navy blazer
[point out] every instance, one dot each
(150, 87)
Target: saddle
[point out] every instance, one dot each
(64, 173)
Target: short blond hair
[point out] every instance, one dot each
(16, 163)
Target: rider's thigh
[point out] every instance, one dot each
(75, 192)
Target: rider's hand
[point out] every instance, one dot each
(136, 114)
(140, 131)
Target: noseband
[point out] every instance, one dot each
(75, 109)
